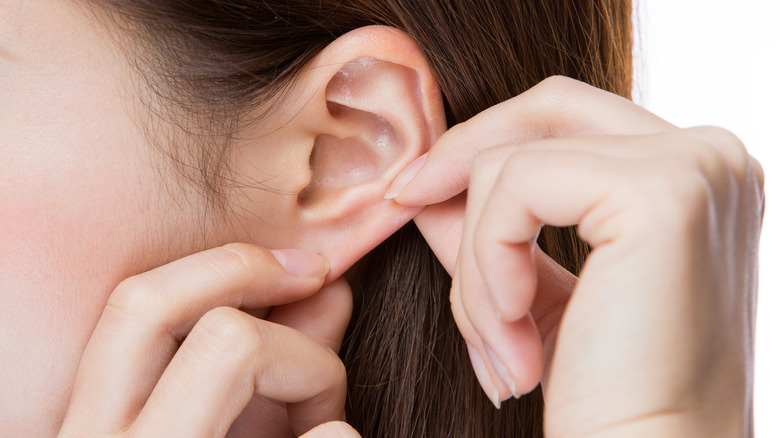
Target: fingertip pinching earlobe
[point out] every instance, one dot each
(406, 176)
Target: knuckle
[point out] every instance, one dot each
(227, 332)
(559, 89)
(251, 257)
(457, 130)
(689, 187)
(134, 295)
(490, 160)
(480, 167)
(720, 145)
(721, 136)
(559, 83)
(483, 158)
(669, 195)
(331, 373)
(680, 195)
(338, 370)
(521, 162)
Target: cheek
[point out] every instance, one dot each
(71, 224)
(78, 216)
(68, 181)
(79, 212)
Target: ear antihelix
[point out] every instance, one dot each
(373, 123)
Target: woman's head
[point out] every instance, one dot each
(136, 132)
(227, 87)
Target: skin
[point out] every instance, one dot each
(665, 348)
(97, 224)
(66, 132)
(131, 311)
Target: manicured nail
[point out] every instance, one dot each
(501, 370)
(483, 376)
(405, 176)
(301, 263)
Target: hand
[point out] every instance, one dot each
(173, 356)
(656, 336)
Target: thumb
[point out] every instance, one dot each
(334, 429)
(442, 227)
(323, 316)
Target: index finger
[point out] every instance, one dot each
(148, 315)
(556, 107)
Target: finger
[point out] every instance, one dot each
(492, 374)
(441, 224)
(503, 323)
(556, 107)
(487, 376)
(484, 330)
(612, 155)
(511, 219)
(442, 227)
(469, 297)
(474, 283)
(334, 429)
(148, 315)
(323, 317)
(228, 357)
(555, 286)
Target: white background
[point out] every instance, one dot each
(717, 62)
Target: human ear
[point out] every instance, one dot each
(360, 112)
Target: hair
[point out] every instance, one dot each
(208, 62)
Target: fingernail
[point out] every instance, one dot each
(484, 377)
(501, 370)
(405, 176)
(301, 263)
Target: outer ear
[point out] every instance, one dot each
(365, 108)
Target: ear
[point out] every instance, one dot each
(363, 109)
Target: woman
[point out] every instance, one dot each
(186, 185)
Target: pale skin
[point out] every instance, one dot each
(103, 274)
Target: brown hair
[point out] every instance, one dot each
(213, 60)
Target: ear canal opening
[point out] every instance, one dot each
(369, 146)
